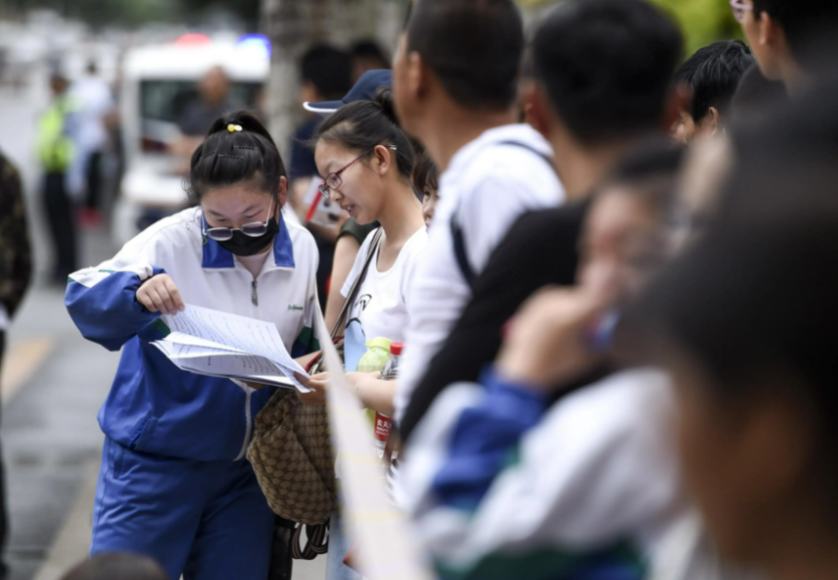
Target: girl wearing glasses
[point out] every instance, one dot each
(174, 483)
(368, 161)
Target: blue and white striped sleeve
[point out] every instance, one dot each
(102, 301)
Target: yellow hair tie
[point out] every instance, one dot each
(233, 128)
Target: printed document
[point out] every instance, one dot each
(219, 344)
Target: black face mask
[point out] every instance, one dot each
(242, 245)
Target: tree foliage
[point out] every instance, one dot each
(703, 21)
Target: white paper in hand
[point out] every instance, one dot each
(218, 343)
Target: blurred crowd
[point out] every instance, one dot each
(587, 279)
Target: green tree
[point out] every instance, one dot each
(703, 21)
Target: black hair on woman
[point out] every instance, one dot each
(363, 125)
(238, 149)
(426, 174)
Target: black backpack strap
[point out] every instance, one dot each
(460, 249)
(547, 159)
(457, 237)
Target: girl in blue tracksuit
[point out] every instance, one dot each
(174, 482)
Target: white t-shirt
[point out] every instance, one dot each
(380, 305)
(489, 183)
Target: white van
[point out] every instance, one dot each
(158, 84)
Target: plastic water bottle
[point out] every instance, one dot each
(378, 351)
(383, 423)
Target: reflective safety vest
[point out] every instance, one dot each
(54, 146)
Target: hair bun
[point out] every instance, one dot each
(241, 121)
(384, 99)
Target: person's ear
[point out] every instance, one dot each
(282, 194)
(769, 30)
(680, 99)
(712, 121)
(537, 109)
(384, 159)
(418, 75)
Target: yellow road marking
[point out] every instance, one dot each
(21, 360)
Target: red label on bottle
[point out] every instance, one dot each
(382, 427)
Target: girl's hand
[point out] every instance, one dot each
(318, 385)
(375, 393)
(159, 294)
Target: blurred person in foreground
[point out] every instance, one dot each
(712, 74)
(117, 566)
(743, 322)
(56, 152)
(560, 463)
(788, 36)
(15, 274)
(606, 44)
(756, 97)
(455, 85)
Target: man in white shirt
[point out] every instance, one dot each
(455, 85)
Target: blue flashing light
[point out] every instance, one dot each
(256, 43)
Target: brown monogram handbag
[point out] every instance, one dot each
(291, 451)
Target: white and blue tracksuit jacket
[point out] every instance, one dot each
(153, 406)
(501, 485)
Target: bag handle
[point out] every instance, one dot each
(317, 544)
(356, 285)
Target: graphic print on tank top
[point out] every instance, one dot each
(355, 342)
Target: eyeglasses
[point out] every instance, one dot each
(739, 8)
(252, 230)
(333, 180)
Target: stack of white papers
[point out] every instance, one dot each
(219, 344)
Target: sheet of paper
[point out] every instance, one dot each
(181, 351)
(226, 365)
(199, 326)
(385, 548)
(186, 339)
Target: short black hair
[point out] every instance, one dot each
(607, 66)
(363, 125)
(713, 73)
(121, 565)
(474, 48)
(805, 22)
(329, 70)
(756, 96)
(425, 174)
(231, 157)
(370, 49)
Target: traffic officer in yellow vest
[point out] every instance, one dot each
(55, 152)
